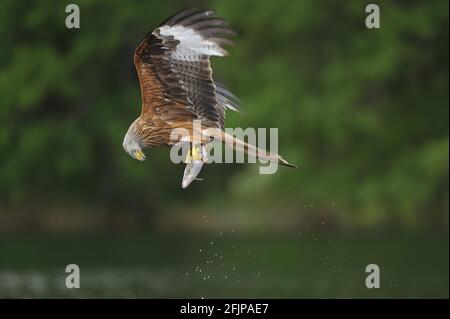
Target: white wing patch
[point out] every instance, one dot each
(192, 44)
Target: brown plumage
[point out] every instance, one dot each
(177, 87)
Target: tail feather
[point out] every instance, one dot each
(241, 146)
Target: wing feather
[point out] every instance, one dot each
(175, 72)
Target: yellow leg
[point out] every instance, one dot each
(196, 153)
(188, 158)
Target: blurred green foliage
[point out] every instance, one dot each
(364, 113)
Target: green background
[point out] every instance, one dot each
(362, 112)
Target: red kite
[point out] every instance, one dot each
(177, 88)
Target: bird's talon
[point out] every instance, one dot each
(196, 153)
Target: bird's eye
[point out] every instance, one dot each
(133, 151)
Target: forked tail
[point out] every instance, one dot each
(241, 146)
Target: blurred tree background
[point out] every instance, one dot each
(364, 114)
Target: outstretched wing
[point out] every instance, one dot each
(174, 69)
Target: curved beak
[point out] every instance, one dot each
(139, 155)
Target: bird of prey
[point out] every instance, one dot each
(177, 87)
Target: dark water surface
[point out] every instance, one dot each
(229, 264)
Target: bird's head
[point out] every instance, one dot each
(132, 146)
